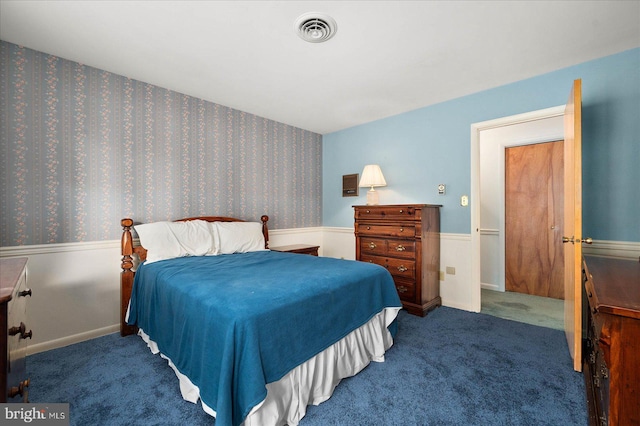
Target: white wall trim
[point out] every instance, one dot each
(343, 230)
(70, 340)
(291, 231)
(455, 237)
(615, 249)
(14, 251)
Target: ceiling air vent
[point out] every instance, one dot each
(315, 27)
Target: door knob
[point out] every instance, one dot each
(572, 240)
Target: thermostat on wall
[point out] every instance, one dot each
(350, 185)
(441, 189)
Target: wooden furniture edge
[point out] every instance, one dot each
(298, 248)
(127, 249)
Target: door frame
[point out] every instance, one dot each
(476, 137)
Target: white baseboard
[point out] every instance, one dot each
(70, 340)
(488, 286)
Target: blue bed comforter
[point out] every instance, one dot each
(233, 323)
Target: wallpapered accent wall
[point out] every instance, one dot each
(82, 148)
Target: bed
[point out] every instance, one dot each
(254, 335)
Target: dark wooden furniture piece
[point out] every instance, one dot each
(128, 250)
(298, 248)
(13, 341)
(611, 363)
(405, 239)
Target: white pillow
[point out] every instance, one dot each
(167, 240)
(239, 237)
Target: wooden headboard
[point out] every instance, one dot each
(128, 249)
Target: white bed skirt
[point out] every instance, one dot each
(313, 381)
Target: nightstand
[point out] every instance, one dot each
(298, 248)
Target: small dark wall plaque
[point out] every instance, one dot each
(350, 185)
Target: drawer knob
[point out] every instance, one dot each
(400, 247)
(402, 268)
(368, 211)
(401, 229)
(22, 330)
(368, 228)
(25, 293)
(372, 245)
(19, 390)
(401, 211)
(401, 289)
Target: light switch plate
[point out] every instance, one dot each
(464, 200)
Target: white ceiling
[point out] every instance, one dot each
(386, 58)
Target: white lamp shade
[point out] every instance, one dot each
(372, 176)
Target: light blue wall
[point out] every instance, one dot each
(418, 150)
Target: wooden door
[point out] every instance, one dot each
(572, 233)
(533, 219)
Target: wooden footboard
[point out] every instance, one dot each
(128, 250)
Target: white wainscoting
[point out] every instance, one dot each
(339, 243)
(455, 290)
(76, 286)
(76, 291)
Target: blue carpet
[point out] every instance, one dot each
(449, 368)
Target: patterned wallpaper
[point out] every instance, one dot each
(82, 148)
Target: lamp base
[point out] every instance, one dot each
(372, 197)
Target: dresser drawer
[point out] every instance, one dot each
(401, 248)
(380, 247)
(406, 288)
(386, 230)
(14, 384)
(373, 246)
(18, 305)
(394, 213)
(601, 384)
(402, 268)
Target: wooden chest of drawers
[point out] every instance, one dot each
(405, 239)
(612, 354)
(13, 339)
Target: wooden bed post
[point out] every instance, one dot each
(126, 276)
(265, 231)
